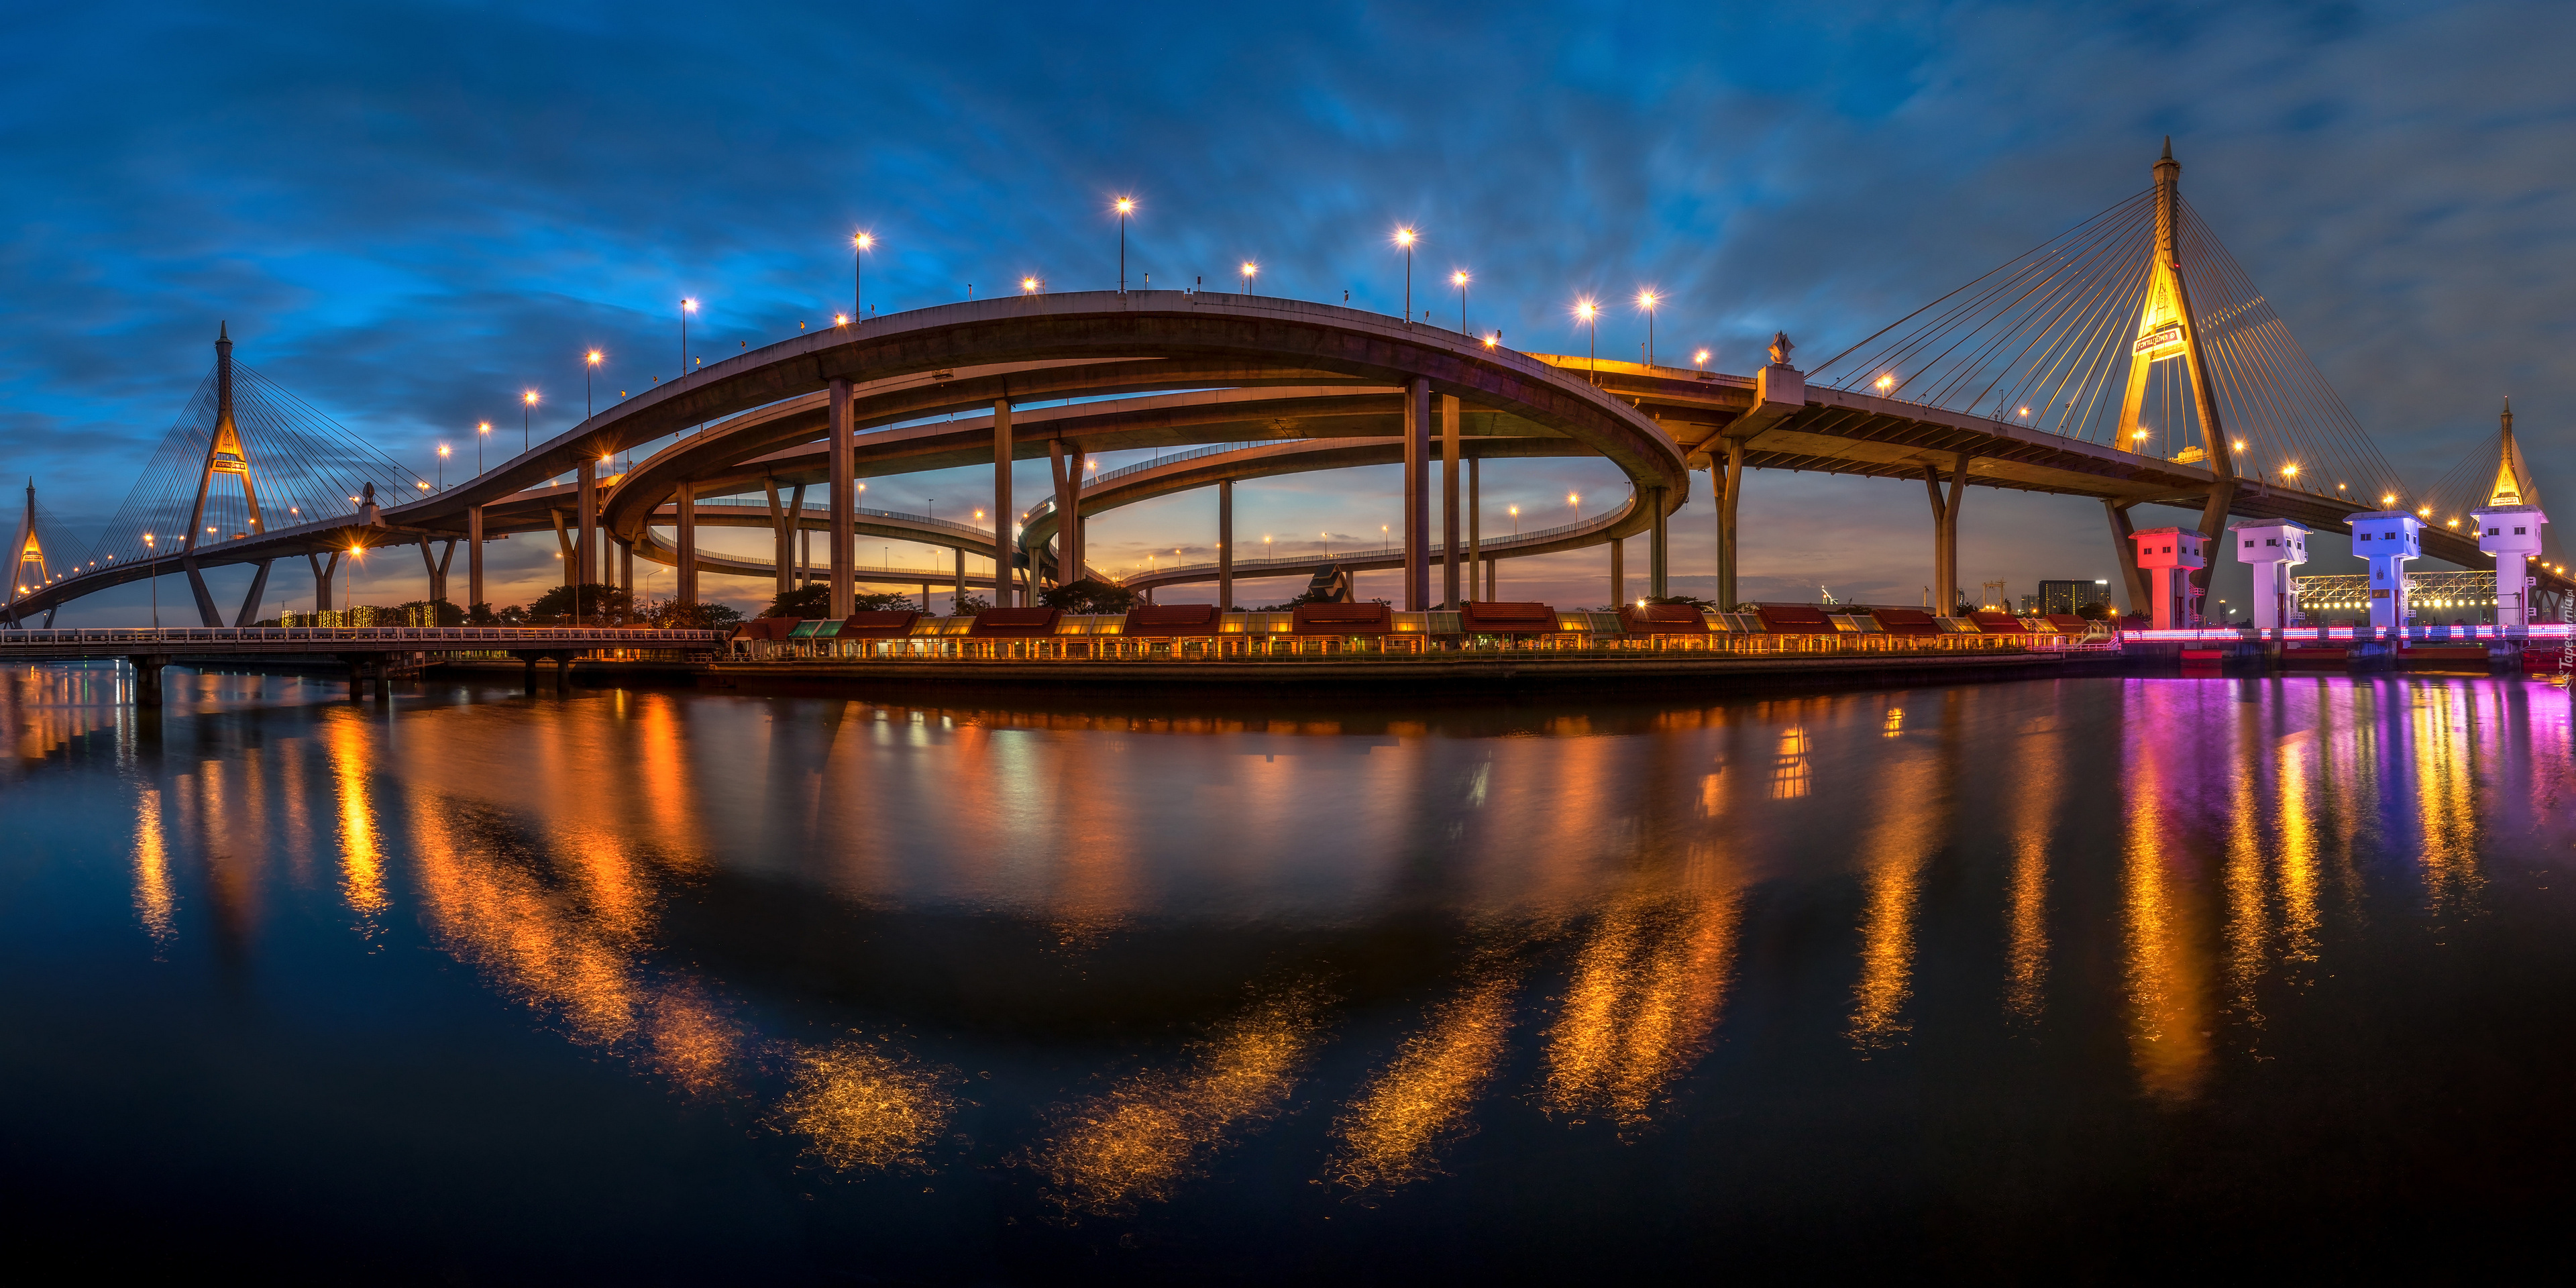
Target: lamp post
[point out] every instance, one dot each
(590, 367)
(481, 431)
(1459, 279)
(1589, 313)
(687, 307)
(1404, 237)
(442, 467)
(1249, 268)
(527, 406)
(859, 245)
(1646, 300)
(1126, 207)
(148, 554)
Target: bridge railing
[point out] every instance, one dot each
(426, 636)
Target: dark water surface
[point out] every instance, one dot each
(2084, 978)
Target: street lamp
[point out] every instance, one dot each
(590, 367)
(859, 245)
(1404, 237)
(481, 432)
(1028, 286)
(687, 307)
(442, 467)
(1459, 280)
(527, 405)
(1516, 522)
(1249, 269)
(1126, 206)
(156, 581)
(1700, 359)
(1589, 313)
(1647, 300)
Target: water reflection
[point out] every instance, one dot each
(787, 911)
(1151, 1132)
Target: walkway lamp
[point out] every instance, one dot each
(1459, 280)
(590, 367)
(687, 307)
(481, 432)
(1405, 238)
(1028, 286)
(1516, 522)
(859, 245)
(156, 581)
(1589, 314)
(1126, 206)
(1700, 359)
(1250, 269)
(442, 467)
(1647, 300)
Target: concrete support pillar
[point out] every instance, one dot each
(1945, 534)
(957, 596)
(686, 591)
(1066, 472)
(1449, 592)
(626, 573)
(1417, 495)
(1475, 529)
(585, 549)
(1726, 479)
(1618, 571)
(844, 505)
(474, 558)
(782, 541)
(325, 570)
(530, 659)
(1002, 512)
(1225, 545)
(1658, 549)
(2133, 583)
(147, 678)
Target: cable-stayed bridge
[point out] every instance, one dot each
(2129, 360)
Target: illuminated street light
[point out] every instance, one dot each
(1405, 238)
(1589, 314)
(156, 581)
(1700, 359)
(1126, 206)
(687, 307)
(1647, 300)
(481, 432)
(1459, 280)
(590, 367)
(442, 467)
(527, 408)
(1249, 270)
(859, 246)
(1888, 382)
(1028, 286)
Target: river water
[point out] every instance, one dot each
(2083, 978)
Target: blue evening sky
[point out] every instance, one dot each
(410, 212)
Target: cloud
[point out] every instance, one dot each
(408, 213)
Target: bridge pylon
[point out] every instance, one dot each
(2169, 328)
(30, 548)
(225, 455)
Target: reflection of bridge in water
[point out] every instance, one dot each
(2129, 360)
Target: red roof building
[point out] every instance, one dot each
(1906, 621)
(1174, 620)
(1344, 619)
(1794, 619)
(1662, 619)
(888, 625)
(1015, 623)
(1506, 617)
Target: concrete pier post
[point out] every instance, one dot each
(1002, 512)
(1726, 479)
(474, 558)
(1475, 529)
(147, 677)
(1225, 545)
(686, 501)
(1618, 572)
(1448, 501)
(1068, 570)
(957, 596)
(844, 506)
(585, 543)
(1658, 549)
(1417, 494)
